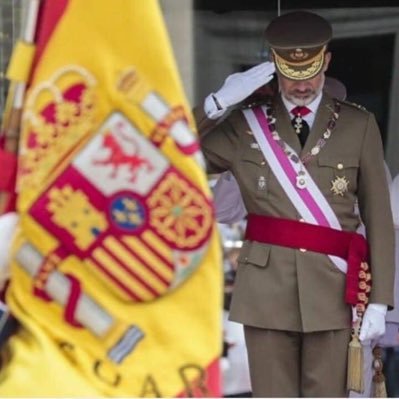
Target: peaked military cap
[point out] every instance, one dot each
(298, 41)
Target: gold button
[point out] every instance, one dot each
(340, 166)
(263, 163)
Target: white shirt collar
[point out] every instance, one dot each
(312, 106)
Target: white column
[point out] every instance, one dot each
(392, 144)
(178, 16)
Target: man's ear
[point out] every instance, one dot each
(327, 59)
(271, 57)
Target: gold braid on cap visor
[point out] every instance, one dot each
(288, 69)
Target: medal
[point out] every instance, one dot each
(261, 183)
(298, 124)
(339, 186)
(301, 180)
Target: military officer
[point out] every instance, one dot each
(302, 161)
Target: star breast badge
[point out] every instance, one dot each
(339, 186)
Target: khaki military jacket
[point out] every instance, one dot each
(287, 289)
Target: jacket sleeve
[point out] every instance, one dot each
(375, 210)
(219, 143)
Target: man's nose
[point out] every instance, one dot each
(301, 86)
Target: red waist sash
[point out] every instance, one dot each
(350, 246)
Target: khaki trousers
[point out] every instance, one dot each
(293, 364)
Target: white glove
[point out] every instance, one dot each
(8, 224)
(236, 88)
(373, 324)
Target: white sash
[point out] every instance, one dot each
(308, 201)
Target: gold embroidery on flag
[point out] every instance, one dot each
(178, 213)
(162, 129)
(72, 210)
(131, 86)
(59, 113)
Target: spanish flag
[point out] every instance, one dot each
(115, 275)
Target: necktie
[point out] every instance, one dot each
(300, 125)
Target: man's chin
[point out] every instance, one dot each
(302, 101)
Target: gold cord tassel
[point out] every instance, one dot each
(380, 390)
(355, 380)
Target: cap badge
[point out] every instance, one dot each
(299, 55)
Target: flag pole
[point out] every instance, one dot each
(18, 73)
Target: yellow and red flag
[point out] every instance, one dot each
(115, 276)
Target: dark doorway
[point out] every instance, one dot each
(364, 65)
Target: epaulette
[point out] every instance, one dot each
(252, 104)
(354, 105)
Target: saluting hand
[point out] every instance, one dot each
(236, 88)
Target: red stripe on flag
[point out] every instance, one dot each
(117, 282)
(50, 13)
(72, 302)
(157, 254)
(209, 387)
(214, 379)
(146, 265)
(8, 162)
(131, 272)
